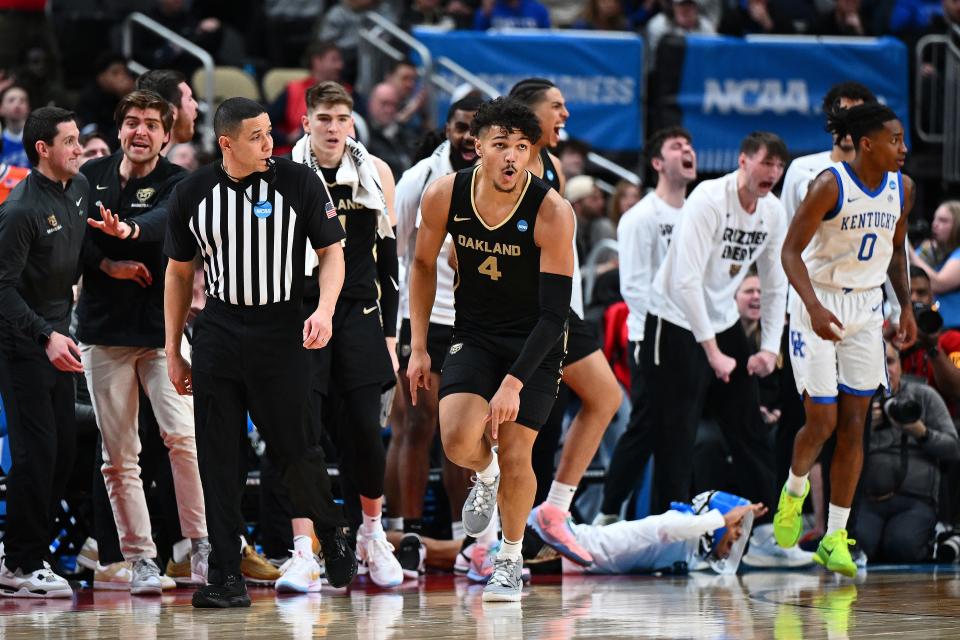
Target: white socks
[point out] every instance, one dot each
(837, 518)
(796, 485)
(561, 495)
(456, 530)
(181, 550)
(303, 545)
(490, 534)
(491, 471)
(510, 549)
(372, 526)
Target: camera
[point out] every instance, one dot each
(929, 320)
(902, 410)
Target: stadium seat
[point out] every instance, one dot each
(277, 79)
(228, 82)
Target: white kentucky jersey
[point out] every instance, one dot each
(852, 247)
(712, 249)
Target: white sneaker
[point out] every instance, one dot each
(146, 578)
(376, 554)
(765, 553)
(42, 583)
(167, 583)
(301, 575)
(461, 565)
(89, 556)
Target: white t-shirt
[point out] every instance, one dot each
(713, 247)
(643, 237)
(800, 174)
(409, 192)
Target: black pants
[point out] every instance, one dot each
(253, 360)
(896, 530)
(678, 384)
(154, 469)
(41, 424)
(632, 443)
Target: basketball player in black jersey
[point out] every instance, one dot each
(585, 369)
(362, 357)
(513, 238)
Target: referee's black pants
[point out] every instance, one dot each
(251, 359)
(41, 425)
(679, 380)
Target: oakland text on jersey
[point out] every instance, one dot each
(488, 247)
(869, 220)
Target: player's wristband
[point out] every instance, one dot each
(554, 308)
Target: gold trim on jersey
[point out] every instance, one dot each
(473, 202)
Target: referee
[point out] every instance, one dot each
(249, 216)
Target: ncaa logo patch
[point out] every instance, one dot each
(263, 209)
(455, 348)
(522, 226)
(893, 185)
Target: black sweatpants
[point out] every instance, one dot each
(251, 359)
(679, 380)
(41, 425)
(632, 443)
(543, 458)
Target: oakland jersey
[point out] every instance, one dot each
(360, 247)
(498, 267)
(852, 246)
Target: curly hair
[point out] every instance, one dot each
(859, 122)
(508, 113)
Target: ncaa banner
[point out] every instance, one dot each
(731, 87)
(600, 75)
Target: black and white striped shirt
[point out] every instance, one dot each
(250, 233)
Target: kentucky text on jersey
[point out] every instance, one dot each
(487, 247)
(870, 220)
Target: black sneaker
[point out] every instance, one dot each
(232, 593)
(412, 555)
(339, 560)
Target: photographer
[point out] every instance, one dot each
(911, 434)
(936, 355)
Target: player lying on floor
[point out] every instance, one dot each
(709, 533)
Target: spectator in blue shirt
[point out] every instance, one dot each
(500, 14)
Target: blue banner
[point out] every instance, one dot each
(731, 87)
(600, 75)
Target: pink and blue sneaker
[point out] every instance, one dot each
(553, 526)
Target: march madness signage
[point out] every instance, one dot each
(730, 87)
(600, 75)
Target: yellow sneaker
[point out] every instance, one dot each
(180, 572)
(834, 553)
(256, 569)
(788, 520)
(836, 609)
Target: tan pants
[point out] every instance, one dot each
(112, 376)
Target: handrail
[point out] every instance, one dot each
(588, 270)
(468, 76)
(923, 43)
(614, 168)
(426, 58)
(207, 96)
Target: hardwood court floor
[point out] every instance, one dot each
(921, 602)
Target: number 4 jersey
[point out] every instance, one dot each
(498, 266)
(853, 245)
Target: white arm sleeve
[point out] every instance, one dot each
(773, 287)
(674, 526)
(636, 237)
(696, 240)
